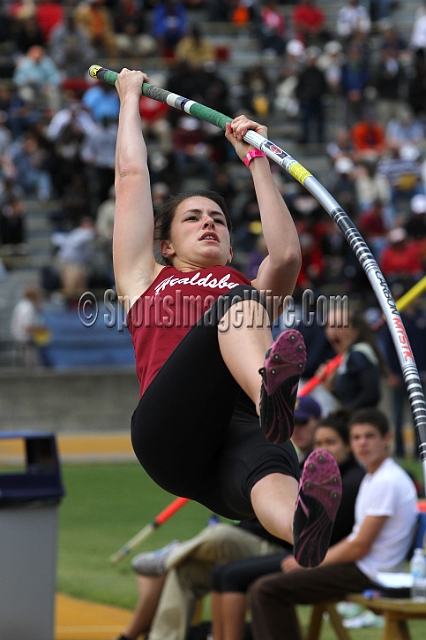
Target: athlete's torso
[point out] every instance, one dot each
(167, 310)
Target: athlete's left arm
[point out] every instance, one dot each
(278, 272)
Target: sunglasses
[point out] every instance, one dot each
(300, 423)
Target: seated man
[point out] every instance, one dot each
(385, 515)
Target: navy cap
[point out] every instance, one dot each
(307, 407)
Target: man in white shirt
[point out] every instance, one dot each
(418, 35)
(352, 17)
(74, 257)
(385, 516)
(27, 328)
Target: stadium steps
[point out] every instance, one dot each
(103, 343)
(243, 53)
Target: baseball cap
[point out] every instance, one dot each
(307, 407)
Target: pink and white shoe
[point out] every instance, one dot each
(284, 364)
(320, 492)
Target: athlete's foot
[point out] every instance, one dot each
(284, 364)
(320, 492)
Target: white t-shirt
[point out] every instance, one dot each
(418, 36)
(24, 316)
(351, 19)
(75, 246)
(390, 492)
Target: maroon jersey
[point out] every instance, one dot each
(167, 310)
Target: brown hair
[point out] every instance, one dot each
(373, 416)
(165, 215)
(338, 421)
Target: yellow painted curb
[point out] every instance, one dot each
(94, 443)
(102, 447)
(81, 620)
(92, 447)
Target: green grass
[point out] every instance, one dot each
(414, 468)
(105, 505)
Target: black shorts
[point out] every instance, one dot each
(195, 431)
(238, 575)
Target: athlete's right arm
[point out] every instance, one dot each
(133, 241)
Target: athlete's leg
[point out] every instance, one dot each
(267, 371)
(269, 492)
(181, 429)
(181, 425)
(266, 477)
(319, 496)
(244, 337)
(301, 514)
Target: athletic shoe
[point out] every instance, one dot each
(153, 562)
(284, 364)
(320, 492)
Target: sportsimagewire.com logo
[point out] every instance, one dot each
(184, 310)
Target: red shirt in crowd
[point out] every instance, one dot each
(368, 136)
(308, 18)
(371, 222)
(402, 258)
(49, 15)
(152, 110)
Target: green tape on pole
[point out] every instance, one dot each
(110, 76)
(209, 115)
(162, 95)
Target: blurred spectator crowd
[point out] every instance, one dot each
(353, 90)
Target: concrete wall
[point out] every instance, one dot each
(67, 401)
(86, 401)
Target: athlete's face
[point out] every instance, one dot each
(199, 235)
